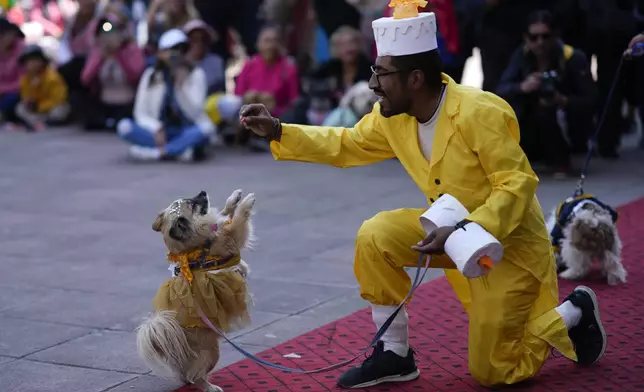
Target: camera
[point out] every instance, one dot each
(549, 81)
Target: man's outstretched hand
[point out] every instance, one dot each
(257, 118)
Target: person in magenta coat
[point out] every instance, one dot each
(111, 74)
(11, 46)
(269, 77)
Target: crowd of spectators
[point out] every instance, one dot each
(155, 72)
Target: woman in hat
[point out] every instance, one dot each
(43, 92)
(169, 120)
(201, 37)
(11, 47)
(111, 74)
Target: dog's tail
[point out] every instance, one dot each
(163, 346)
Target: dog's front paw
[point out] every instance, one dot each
(247, 204)
(234, 199)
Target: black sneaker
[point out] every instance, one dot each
(588, 337)
(381, 367)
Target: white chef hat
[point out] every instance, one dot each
(403, 35)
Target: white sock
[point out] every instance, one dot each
(396, 339)
(569, 313)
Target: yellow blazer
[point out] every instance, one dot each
(475, 157)
(48, 91)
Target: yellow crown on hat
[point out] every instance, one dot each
(404, 9)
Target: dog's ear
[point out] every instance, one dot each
(157, 225)
(180, 229)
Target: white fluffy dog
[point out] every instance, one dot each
(360, 99)
(584, 230)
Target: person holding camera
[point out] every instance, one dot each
(111, 74)
(169, 117)
(545, 79)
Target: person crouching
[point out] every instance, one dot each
(43, 92)
(169, 118)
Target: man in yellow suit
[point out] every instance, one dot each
(464, 142)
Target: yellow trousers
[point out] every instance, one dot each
(513, 321)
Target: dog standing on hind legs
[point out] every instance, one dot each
(205, 245)
(583, 230)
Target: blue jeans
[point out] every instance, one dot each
(8, 103)
(179, 138)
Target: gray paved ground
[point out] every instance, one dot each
(80, 263)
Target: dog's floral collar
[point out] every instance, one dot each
(198, 259)
(193, 261)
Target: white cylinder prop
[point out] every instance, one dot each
(469, 245)
(446, 211)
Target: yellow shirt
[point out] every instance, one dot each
(47, 90)
(475, 157)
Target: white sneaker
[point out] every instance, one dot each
(145, 153)
(187, 156)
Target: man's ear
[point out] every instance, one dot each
(416, 80)
(157, 225)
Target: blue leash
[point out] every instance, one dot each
(420, 274)
(638, 50)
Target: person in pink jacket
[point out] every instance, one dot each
(11, 47)
(270, 78)
(111, 74)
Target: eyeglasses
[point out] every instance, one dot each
(385, 73)
(543, 36)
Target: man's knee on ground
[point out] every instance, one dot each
(498, 339)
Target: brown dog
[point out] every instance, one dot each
(205, 245)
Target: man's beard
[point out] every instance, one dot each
(394, 110)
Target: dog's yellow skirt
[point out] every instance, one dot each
(223, 296)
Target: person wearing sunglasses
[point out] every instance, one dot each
(463, 142)
(546, 81)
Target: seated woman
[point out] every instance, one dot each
(201, 37)
(111, 74)
(169, 118)
(11, 48)
(325, 86)
(270, 78)
(349, 63)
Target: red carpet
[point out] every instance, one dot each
(439, 334)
